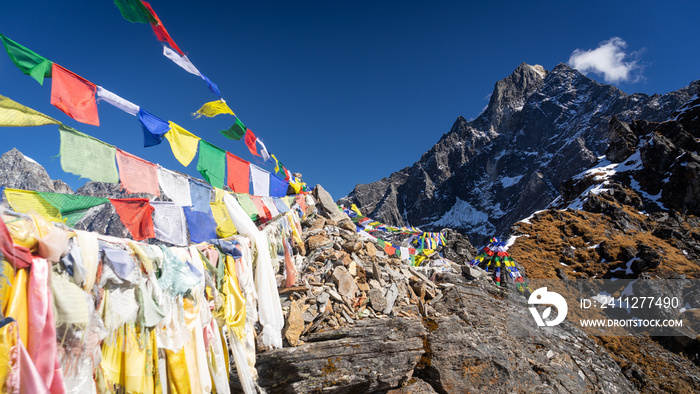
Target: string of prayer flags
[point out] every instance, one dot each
(159, 30)
(28, 61)
(169, 223)
(212, 164)
(238, 175)
(236, 131)
(116, 101)
(14, 114)
(183, 143)
(250, 142)
(200, 194)
(153, 127)
(214, 108)
(71, 206)
(201, 225)
(224, 225)
(494, 257)
(74, 95)
(26, 201)
(248, 205)
(87, 156)
(136, 174)
(136, 214)
(175, 186)
(260, 180)
(278, 187)
(134, 11)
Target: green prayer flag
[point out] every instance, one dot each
(134, 11)
(248, 205)
(212, 164)
(14, 114)
(31, 63)
(73, 207)
(235, 132)
(87, 156)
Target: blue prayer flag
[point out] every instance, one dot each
(153, 128)
(278, 187)
(201, 225)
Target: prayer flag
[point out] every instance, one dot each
(112, 99)
(200, 194)
(261, 181)
(238, 174)
(26, 201)
(301, 202)
(212, 164)
(135, 213)
(183, 143)
(175, 186)
(278, 187)
(281, 206)
(72, 206)
(277, 164)
(225, 227)
(153, 128)
(87, 156)
(74, 95)
(160, 31)
(134, 11)
(14, 114)
(201, 225)
(212, 86)
(263, 150)
(248, 205)
(137, 175)
(28, 61)
(250, 142)
(182, 61)
(270, 204)
(214, 108)
(169, 223)
(235, 132)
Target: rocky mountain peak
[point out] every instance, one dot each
(17, 171)
(510, 93)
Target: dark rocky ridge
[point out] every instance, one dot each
(539, 129)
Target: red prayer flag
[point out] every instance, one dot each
(389, 249)
(160, 31)
(250, 139)
(238, 174)
(74, 95)
(301, 201)
(136, 214)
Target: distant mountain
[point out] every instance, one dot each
(539, 129)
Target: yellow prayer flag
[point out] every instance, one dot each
(296, 186)
(213, 108)
(27, 201)
(183, 143)
(224, 225)
(277, 164)
(14, 114)
(355, 209)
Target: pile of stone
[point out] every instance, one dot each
(344, 276)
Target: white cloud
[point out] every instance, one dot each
(608, 60)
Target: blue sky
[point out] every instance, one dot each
(344, 92)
